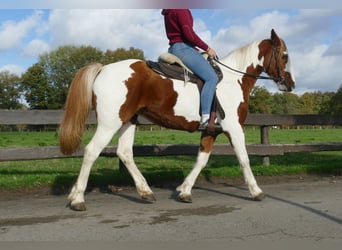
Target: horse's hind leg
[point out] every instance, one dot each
(102, 137)
(207, 142)
(125, 153)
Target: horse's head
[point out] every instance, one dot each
(277, 62)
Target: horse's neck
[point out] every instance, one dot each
(244, 57)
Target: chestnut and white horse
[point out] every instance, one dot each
(120, 91)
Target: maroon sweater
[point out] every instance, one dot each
(179, 28)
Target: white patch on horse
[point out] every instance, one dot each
(289, 68)
(245, 56)
(230, 87)
(188, 100)
(106, 87)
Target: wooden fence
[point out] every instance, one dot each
(264, 149)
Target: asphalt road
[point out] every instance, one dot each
(298, 210)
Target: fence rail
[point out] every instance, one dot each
(53, 117)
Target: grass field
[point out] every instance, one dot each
(30, 139)
(61, 173)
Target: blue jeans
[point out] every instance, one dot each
(195, 61)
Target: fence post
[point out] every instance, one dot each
(264, 140)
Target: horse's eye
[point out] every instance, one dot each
(285, 57)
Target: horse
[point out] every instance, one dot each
(122, 90)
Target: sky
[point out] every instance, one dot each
(313, 35)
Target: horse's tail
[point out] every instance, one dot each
(77, 107)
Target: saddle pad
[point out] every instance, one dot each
(173, 71)
(172, 59)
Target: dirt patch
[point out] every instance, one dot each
(171, 215)
(36, 220)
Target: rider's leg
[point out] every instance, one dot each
(200, 66)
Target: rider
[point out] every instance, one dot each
(183, 42)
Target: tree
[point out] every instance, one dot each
(260, 101)
(61, 65)
(46, 83)
(120, 54)
(311, 102)
(37, 91)
(285, 103)
(335, 104)
(325, 103)
(9, 91)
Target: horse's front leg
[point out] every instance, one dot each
(237, 138)
(207, 142)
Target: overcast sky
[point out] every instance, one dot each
(313, 36)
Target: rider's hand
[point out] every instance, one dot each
(211, 53)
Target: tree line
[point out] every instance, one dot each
(45, 84)
(264, 102)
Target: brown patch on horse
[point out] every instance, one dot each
(247, 85)
(153, 97)
(207, 141)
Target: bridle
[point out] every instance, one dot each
(276, 79)
(274, 49)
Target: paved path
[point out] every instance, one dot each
(310, 211)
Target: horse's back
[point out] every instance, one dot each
(113, 75)
(118, 70)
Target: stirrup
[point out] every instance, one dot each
(203, 125)
(211, 128)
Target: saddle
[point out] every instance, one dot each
(171, 66)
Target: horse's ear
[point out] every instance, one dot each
(275, 38)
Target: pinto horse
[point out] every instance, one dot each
(120, 91)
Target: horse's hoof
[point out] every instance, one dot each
(185, 198)
(259, 197)
(149, 197)
(78, 207)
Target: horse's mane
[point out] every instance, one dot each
(239, 57)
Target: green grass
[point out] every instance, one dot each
(61, 173)
(31, 139)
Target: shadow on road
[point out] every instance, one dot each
(289, 202)
(307, 208)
